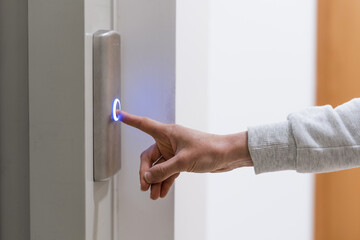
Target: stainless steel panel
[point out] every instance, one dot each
(106, 87)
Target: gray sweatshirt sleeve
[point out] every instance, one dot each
(318, 139)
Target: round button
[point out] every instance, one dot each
(116, 105)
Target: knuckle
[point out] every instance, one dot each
(180, 164)
(145, 120)
(184, 155)
(188, 161)
(142, 155)
(172, 129)
(160, 173)
(146, 154)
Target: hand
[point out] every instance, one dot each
(179, 149)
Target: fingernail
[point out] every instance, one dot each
(147, 177)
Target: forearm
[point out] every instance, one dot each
(318, 139)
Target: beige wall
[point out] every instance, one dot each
(337, 212)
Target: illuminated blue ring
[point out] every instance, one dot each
(115, 103)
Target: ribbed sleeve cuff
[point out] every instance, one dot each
(272, 147)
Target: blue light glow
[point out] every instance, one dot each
(116, 105)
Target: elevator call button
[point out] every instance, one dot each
(106, 103)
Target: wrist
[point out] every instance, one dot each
(237, 152)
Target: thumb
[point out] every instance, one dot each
(163, 171)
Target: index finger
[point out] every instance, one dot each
(144, 124)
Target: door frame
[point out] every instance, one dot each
(65, 202)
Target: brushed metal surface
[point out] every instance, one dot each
(106, 87)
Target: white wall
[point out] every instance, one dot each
(191, 110)
(259, 67)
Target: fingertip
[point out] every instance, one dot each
(163, 194)
(127, 118)
(122, 115)
(152, 197)
(144, 187)
(155, 191)
(165, 188)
